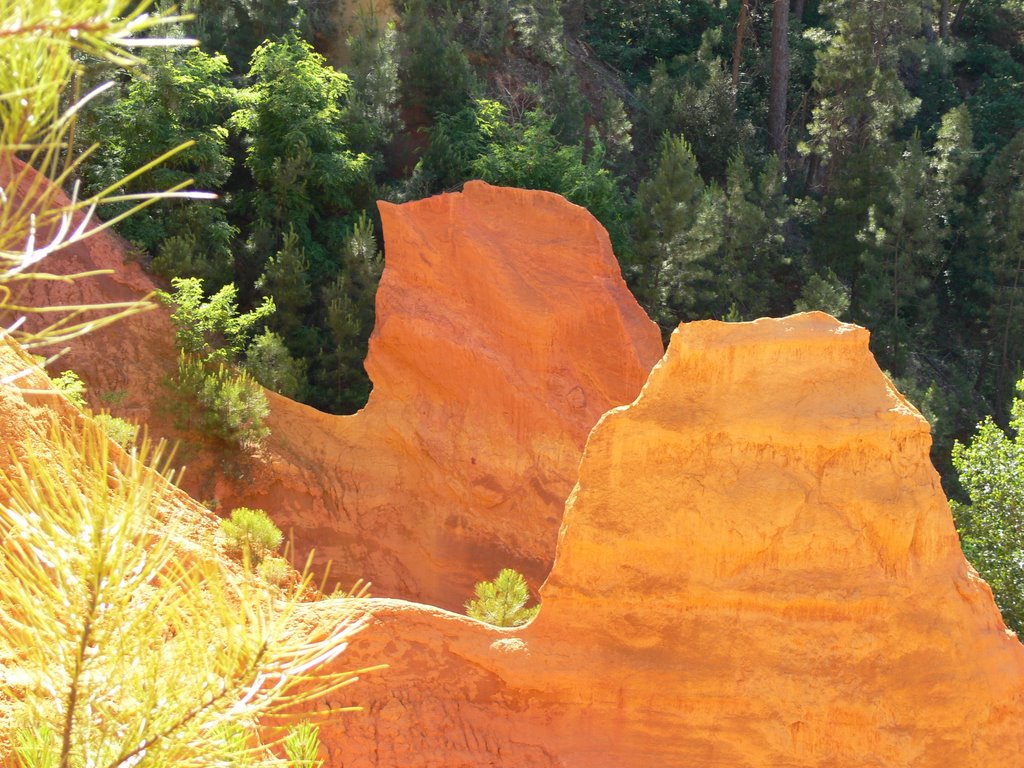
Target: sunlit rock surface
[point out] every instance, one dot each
(504, 331)
(757, 567)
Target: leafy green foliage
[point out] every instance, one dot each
(1003, 227)
(212, 337)
(119, 430)
(252, 534)
(502, 602)
(273, 367)
(120, 650)
(219, 401)
(824, 293)
(211, 329)
(72, 387)
(306, 179)
(175, 97)
(991, 471)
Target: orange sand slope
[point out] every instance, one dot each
(757, 567)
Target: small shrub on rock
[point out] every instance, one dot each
(502, 602)
(251, 534)
(119, 430)
(275, 570)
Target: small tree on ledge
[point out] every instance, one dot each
(502, 602)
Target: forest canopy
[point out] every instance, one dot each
(747, 157)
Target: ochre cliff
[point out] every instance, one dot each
(504, 331)
(124, 361)
(757, 567)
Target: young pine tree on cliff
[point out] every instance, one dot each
(502, 602)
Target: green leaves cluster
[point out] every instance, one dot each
(252, 534)
(120, 431)
(991, 524)
(210, 391)
(502, 602)
(179, 96)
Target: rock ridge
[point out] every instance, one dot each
(716, 602)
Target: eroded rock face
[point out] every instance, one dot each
(123, 362)
(756, 567)
(504, 331)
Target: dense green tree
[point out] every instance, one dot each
(633, 36)
(456, 142)
(209, 391)
(373, 107)
(860, 97)
(175, 97)
(991, 524)
(824, 293)
(237, 27)
(340, 382)
(1004, 227)
(678, 226)
(700, 104)
(285, 279)
(902, 257)
(752, 264)
(539, 27)
(212, 329)
(433, 69)
(306, 178)
(269, 362)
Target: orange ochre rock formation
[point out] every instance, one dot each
(504, 330)
(757, 567)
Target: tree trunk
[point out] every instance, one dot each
(927, 28)
(955, 25)
(798, 10)
(943, 19)
(779, 92)
(741, 33)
